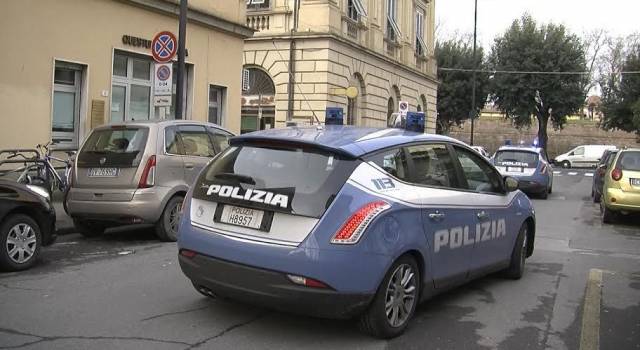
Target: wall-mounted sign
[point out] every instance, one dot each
(135, 41)
(162, 101)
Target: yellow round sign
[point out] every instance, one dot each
(351, 92)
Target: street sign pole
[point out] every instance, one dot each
(182, 37)
(473, 84)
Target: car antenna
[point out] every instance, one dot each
(296, 84)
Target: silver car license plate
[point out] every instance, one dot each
(634, 182)
(103, 172)
(244, 217)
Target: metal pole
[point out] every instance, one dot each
(473, 84)
(292, 64)
(182, 37)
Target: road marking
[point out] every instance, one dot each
(590, 332)
(573, 173)
(557, 172)
(588, 174)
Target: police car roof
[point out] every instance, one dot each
(520, 148)
(348, 140)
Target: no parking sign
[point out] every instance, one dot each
(164, 47)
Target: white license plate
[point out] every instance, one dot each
(103, 172)
(635, 182)
(240, 216)
(515, 169)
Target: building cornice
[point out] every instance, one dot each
(195, 16)
(312, 36)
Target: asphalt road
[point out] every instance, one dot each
(581, 290)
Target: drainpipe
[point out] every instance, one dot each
(292, 64)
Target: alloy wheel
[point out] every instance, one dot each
(401, 295)
(21, 243)
(174, 217)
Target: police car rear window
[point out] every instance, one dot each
(308, 178)
(522, 158)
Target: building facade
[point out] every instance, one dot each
(72, 65)
(363, 56)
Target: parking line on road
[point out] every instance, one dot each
(573, 173)
(590, 332)
(557, 172)
(588, 174)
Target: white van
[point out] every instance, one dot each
(582, 156)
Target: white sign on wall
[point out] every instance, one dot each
(163, 79)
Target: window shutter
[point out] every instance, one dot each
(245, 80)
(360, 8)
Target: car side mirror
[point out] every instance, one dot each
(511, 184)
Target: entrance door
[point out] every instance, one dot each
(66, 104)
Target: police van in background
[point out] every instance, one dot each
(341, 221)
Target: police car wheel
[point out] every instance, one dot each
(395, 301)
(519, 254)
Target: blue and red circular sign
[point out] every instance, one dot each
(164, 46)
(163, 73)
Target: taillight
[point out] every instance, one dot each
(543, 170)
(353, 229)
(616, 174)
(148, 177)
(188, 253)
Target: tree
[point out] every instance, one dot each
(454, 91)
(528, 47)
(621, 91)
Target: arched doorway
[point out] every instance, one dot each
(356, 105)
(258, 100)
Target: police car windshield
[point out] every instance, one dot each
(311, 178)
(524, 158)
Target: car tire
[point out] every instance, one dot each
(21, 240)
(519, 255)
(88, 229)
(550, 189)
(544, 194)
(608, 215)
(566, 164)
(167, 226)
(379, 320)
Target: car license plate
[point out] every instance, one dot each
(103, 172)
(514, 169)
(240, 216)
(635, 182)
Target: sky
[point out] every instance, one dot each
(618, 17)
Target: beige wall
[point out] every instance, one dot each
(86, 32)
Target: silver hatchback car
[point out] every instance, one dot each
(139, 172)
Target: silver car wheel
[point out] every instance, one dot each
(21, 243)
(400, 296)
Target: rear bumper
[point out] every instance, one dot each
(144, 208)
(270, 289)
(624, 201)
(530, 184)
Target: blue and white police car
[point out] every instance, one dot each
(349, 222)
(527, 164)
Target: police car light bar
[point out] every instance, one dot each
(413, 121)
(353, 228)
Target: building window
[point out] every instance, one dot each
(355, 9)
(258, 5)
(258, 101)
(393, 30)
(390, 107)
(217, 95)
(132, 89)
(67, 80)
(421, 46)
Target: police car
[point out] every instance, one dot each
(527, 164)
(349, 222)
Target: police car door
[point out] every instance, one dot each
(445, 219)
(494, 219)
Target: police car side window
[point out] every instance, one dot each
(432, 166)
(392, 161)
(478, 174)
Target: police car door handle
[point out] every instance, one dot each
(482, 215)
(436, 216)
